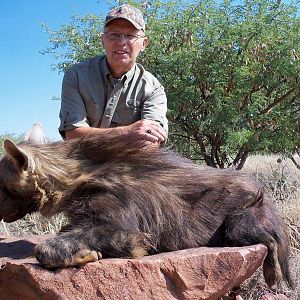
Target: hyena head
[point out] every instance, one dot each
(18, 192)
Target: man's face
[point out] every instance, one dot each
(122, 52)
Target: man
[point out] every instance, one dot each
(112, 93)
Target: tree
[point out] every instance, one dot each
(230, 70)
(74, 42)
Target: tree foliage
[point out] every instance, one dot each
(230, 70)
(76, 41)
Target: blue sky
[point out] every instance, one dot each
(27, 83)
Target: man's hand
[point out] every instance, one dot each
(148, 131)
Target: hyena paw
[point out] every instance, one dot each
(57, 253)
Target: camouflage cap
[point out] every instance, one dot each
(129, 13)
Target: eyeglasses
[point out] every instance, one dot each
(116, 36)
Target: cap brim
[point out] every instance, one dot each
(124, 18)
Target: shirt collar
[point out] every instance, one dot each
(130, 73)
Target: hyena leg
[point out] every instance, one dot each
(79, 246)
(65, 250)
(247, 228)
(113, 242)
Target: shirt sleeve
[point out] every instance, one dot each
(73, 112)
(155, 106)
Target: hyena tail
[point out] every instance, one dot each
(261, 224)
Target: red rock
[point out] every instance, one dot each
(192, 274)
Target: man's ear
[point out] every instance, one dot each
(101, 35)
(145, 43)
(22, 160)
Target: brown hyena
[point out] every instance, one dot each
(124, 201)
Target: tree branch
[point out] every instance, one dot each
(277, 101)
(240, 158)
(207, 158)
(291, 157)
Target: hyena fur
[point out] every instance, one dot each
(124, 201)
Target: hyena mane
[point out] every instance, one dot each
(122, 200)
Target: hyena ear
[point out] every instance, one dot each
(19, 156)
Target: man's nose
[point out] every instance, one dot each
(122, 40)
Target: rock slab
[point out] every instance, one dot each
(192, 274)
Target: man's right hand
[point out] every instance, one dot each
(148, 131)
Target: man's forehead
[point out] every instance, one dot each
(121, 24)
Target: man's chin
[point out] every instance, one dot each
(122, 65)
(124, 61)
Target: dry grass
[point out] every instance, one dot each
(34, 224)
(280, 177)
